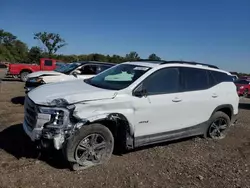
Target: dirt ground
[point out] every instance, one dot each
(195, 162)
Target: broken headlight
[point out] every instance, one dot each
(36, 80)
(56, 115)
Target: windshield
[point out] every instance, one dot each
(59, 65)
(118, 77)
(67, 68)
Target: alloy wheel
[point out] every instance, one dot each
(218, 128)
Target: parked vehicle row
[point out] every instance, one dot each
(22, 70)
(70, 71)
(130, 105)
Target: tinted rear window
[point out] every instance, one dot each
(221, 77)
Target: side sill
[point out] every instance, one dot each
(171, 135)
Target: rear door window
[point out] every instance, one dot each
(194, 79)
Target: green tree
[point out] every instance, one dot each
(154, 57)
(34, 54)
(115, 59)
(12, 49)
(51, 41)
(6, 38)
(132, 56)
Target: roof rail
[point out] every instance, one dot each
(152, 61)
(191, 63)
(162, 62)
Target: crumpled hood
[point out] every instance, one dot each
(72, 91)
(43, 73)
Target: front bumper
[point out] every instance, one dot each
(34, 134)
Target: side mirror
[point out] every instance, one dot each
(75, 73)
(140, 91)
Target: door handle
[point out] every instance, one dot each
(214, 95)
(176, 99)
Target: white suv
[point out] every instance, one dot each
(130, 105)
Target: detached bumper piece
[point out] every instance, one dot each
(234, 119)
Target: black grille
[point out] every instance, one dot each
(30, 113)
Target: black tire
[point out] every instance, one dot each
(71, 148)
(214, 126)
(24, 76)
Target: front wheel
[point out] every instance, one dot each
(90, 146)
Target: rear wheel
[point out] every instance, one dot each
(218, 125)
(90, 146)
(24, 76)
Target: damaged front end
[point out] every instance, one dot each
(49, 125)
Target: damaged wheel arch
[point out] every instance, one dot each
(118, 125)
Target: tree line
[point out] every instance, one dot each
(14, 50)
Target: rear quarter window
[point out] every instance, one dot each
(221, 77)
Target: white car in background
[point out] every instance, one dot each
(67, 72)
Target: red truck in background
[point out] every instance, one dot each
(22, 70)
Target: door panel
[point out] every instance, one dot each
(157, 114)
(157, 111)
(199, 97)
